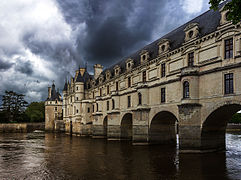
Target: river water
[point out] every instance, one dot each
(57, 156)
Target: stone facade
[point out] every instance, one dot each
(185, 83)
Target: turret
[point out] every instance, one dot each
(49, 92)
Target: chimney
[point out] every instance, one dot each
(49, 92)
(98, 70)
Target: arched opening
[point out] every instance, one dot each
(163, 128)
(214, 127)
(105, 124)
(126, 126)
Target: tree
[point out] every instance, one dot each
(13, 106)
(35, 112)
(234, 8)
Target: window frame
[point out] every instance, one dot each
(163, 69)
(186, 90)
(163, 95)
(139, 98)
(228, 48)
(190, 59)
(113, 104)
(228, 83)
(144, 76)
(129, 82)
(128, 101)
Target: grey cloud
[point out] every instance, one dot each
(5, 65)
(104, 31)
(24, 67)
(115, 29)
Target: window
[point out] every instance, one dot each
(228, 83)
(186, 89)
(88, 110)
(93, 94)
(93, 107)
(113, 104)
(107, 105)
(144, 76)
(77, 88)
(117, 86)
(129, 101)
(129, 65)
(55, 108)
(108, 89)
(77, 110)
(163, 95)
(163, 70)
(139, 98)
(190, 34)
(229, 48)
(190, 59)
(129, 81)
(100, 91)
(97, 107)
(163, 47)
(77, 98)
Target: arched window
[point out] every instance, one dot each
(139, 98)
(113, 104)
(186, 89)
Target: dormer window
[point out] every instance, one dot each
(164, 46)
(224, 16)
(108, 75)
(191, 31)
(93, 83)
(101, 79)
(144, 55)
(117, 70)
(129, 64)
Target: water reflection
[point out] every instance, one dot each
(57, 156)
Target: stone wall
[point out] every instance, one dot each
(20, 127)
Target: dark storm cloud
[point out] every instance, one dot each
(24, 67)
(5, 65)
(113, 28)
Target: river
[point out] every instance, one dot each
(57, 156)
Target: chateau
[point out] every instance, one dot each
(188, 82)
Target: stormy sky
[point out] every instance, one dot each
(46, 40)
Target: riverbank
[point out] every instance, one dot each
(21, 127)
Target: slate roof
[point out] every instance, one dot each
(207, 23)
(65, 86)
(54, 94)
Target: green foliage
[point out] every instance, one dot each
(234, 8)
(236, 118)
(35, 112)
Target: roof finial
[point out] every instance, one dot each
(86, 65)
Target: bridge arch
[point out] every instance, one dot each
(126, 126)
(163, 128)
(105, 125)
(214, 125)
